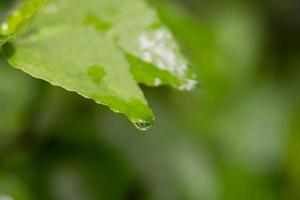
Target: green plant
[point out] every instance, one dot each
(100, 49)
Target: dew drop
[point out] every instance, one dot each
(143, 125)
(140, 114)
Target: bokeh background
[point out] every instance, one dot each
(235, 137)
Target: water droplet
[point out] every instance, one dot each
(137, 111)
(143, 125)
(96, 73)
(140, 114)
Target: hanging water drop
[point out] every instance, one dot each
(143, 125)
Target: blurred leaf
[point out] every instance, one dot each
(181, 168)
(71, 168)
(3, 39)
(252, 128)
(12, 189)
(16, 92)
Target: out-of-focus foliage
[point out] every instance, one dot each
(14, 102)
(235, 137)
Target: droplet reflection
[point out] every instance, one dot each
(143, 125)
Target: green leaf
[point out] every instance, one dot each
(75, 59)
(135, 27)
(101, 50)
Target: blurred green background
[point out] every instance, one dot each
(236, 137)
